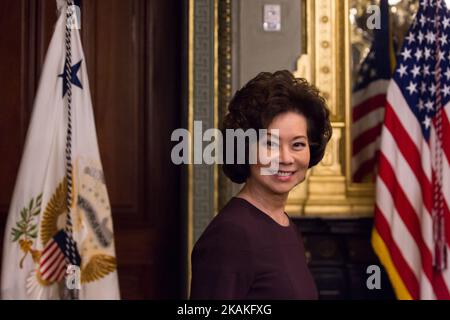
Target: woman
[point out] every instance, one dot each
(251, 249)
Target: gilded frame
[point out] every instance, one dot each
(328, 190)
(326, 63)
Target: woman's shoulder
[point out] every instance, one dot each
(233, 225)
(237, 213)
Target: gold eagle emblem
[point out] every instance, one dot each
(53, 219)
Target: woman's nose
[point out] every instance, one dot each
(285, 155)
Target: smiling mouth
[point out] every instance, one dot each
(281, 173)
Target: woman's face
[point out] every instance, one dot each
(291, 150)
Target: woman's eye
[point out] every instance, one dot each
(299, 145)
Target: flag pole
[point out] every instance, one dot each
(70, 292)
(440, 250)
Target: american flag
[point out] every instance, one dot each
(369, 98)
(53, 262)
(412, 217)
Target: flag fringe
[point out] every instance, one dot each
(382, 252)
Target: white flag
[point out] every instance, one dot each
(34, 260)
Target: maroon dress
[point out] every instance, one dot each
(245, 254)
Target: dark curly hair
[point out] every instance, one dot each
(262, 99)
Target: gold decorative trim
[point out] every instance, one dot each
(363, 190)
(305, 69)
(191, 112)
(216, 99)
(306, 60)
(326, 55)
(225, 42)
(190, 231)
(328, 190)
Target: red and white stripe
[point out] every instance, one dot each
(404, 197)
(367, 120)
(52, 265)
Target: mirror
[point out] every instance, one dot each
(377, 29)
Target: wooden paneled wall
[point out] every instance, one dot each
(133, 54)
